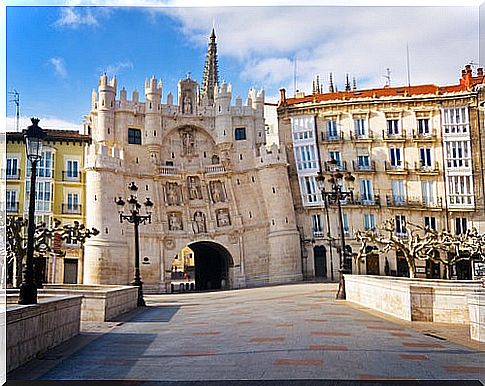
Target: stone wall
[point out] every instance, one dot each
(476, 307)
(33, 329)
(430, 300)
(100, 302)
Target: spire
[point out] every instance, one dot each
(211, 77)
(347, 82)
(354, 84)
(330, 86)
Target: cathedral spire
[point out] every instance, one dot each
(211, 77)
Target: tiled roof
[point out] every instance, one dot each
(54, 135)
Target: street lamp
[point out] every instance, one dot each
(33, 137)
(335, 196)
(134, 217)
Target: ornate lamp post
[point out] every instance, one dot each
(33, 137)
(335, 196)
(134, 217)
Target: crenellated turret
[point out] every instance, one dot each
(257, 100)
(153, 100)
(105, 106)
(223, 119)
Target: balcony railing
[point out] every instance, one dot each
(71, 209)
(340, 166)
(413, 202)
(400, 167)
(424, 136)
(332, 137)
(68, 175)
(218, 168)
(166, 170)
(374, 199)
(357, 167)
(318, 234)
(354, 136)
(13, 175)
(12, 207)
(421, 168)
(387, 136)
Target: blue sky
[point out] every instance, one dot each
(56, 54)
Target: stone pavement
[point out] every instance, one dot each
(283, 332)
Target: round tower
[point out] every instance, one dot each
(153, 100)
(284, 250)
(105, 108)
(223, 118)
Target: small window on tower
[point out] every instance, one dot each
(240, 133)
(134, 136)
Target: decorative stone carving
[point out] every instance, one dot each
(188, 142)
(223, 218)
(187, 105)
(174, 193)
(175, 221)
(217, 191)
(193, 186)
(199, 222)
(169, 243)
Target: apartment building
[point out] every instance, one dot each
(416, 153)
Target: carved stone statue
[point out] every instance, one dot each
(217, 191)
(199, 222)
(174, 222)
(174, 196)
(187, 106)
(188, 143)
(193, 185)
(223, 219)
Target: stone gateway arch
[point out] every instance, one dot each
(215, 186)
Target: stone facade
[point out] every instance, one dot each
(203, 162)
(416, 153)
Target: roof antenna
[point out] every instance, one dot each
(294, 75)
(388, 77)
(407, 65)
(16, 100)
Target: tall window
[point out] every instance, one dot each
(11, 201)
(363, 161)
(458, 154)
(425, 157)
(398, 191)
(430, 222)
(72, 169)
(455, 120)
(12, 171)
(423, 126)
(317, 225)
(336, 156)
(345, 223)
(44, 165)
(42, 196)
(427, 191)
(134, 136)
(240, 133)
(306, 157)
(366, 191)
(309, 186)
(395, 157)
(460, 225)
(360, 126)
(400, 225)
(392, 126)
(332, 129)
(460, 189)
(72, 201)
(369, 221)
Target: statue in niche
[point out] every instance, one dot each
(199, 222)
(217, 191)
(188, 143)
(223, 219)
(174, 222)
(187, 105)
(174, 196)
(215, 160)
(193, 185)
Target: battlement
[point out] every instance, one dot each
(223, 91)
(98, 155)
(272, 155)
(104, 82)
(152, 86)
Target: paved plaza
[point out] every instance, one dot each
(283, 332)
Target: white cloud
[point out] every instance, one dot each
(59, 66)
(115, 69)
(75, 17)
(362, 41)
(46, 122)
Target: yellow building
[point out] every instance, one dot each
(416, 153)
(60, 194)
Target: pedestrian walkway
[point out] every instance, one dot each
(282, 332)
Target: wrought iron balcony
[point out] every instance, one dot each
(12, 207)
(419, 167)
(71, 209)
(400, 167)
(368, 136)
(357, 167)
(340, 166)
(69, 175)
(414, 202)
(338, 136)
(400, 136)
(418, 135)
(13, 175)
